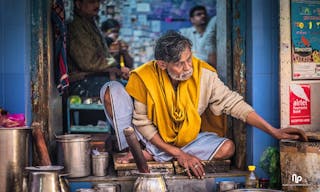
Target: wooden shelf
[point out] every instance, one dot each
(90, 128)
(87, 106)
(86, 121)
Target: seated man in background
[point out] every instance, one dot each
(118, 48)
(89, 59)
(202, 33)
(175, 97)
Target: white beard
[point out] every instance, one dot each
(182, 77)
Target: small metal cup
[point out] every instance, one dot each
(100, 164)
(88, 101)
(85, 190)
(107, 187)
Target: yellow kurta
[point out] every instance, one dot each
(173, 113)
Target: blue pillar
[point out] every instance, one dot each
(262, 73)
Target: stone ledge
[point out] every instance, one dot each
(175, 183)
(110, 178)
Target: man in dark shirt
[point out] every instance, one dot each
(89, 58)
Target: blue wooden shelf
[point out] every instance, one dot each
(87, 106)
(83, 128)
(90, 128)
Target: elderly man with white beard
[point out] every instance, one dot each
(175, 98)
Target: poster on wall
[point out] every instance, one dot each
(300, 102)
(305, 31)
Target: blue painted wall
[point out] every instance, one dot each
(14, 57)
(262, 73)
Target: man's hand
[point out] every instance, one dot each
(125, 72)
(286, 133)
(190, 162)
(118, 46)
(291, 133)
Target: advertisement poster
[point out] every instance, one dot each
(300, 110)
(305, 31)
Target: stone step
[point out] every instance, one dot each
(175, 183)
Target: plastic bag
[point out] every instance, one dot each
(12, 120)
(18, 118)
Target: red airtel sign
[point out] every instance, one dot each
(300, 110)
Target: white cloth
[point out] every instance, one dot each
(122, 109)
(204, 147)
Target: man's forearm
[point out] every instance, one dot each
(257, 121)
(92, 62)
(168, 148)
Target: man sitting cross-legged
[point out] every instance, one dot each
(167, 99)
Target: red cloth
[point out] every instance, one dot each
(60, 53)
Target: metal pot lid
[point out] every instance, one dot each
(73, 137)
(100, 155)
(45, 168)
(15, 128)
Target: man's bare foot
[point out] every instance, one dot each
(128, 158)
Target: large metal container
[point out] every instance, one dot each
(74, 154)
(300, 166)
(14, 157)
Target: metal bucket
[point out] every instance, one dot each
(14, 157)
(74, 154)
(300, 165)
(100, 164)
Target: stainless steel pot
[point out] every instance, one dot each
(14, 157)
(150, 182)
(74, 154)
(46, 179)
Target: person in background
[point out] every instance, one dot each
(89, 59)
(175, 97)
(202, 34)
(117, 47)
(110, 29)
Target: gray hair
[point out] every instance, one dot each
(170, 46)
